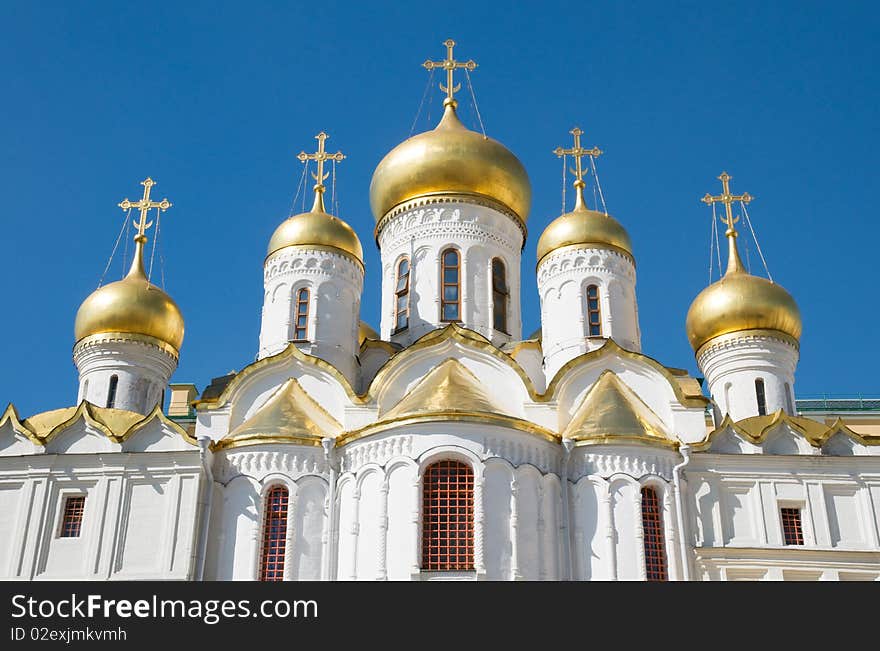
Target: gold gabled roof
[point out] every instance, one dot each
(449, 388)
(291, 415)
(449, 393)
(756, 428)
(113, 422)
(116, 424)
(611, 412)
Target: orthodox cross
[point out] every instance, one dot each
(727, 199)
(449, 65)
(320, 156)
(144, 206)
(578, 152)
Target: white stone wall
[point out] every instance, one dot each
(735, 502)
(243, 478)
(563, 278)
(607, 537)
(517, 503)
(335, 283)
(480, 234)
(139, 520)
(142, 371)
(732, 364)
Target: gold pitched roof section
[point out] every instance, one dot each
(755, 429)
(116, 424)
(290, 415)
(611, 412)
(449, 388)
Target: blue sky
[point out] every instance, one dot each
(214, 100)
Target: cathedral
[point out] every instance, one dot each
(447, 445)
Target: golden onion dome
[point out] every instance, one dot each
(450, 160)
(317, 228)
(584, 227)
(132, 305)
(741, 301)
(365, 331)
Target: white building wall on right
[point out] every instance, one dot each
(738, 526)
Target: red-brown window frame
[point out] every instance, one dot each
(72, 516)
(792, 526)
(500, 295)
(301, 309)
(591, 311)
(652, 532)
(448, 517)
(444, 285)
(273, 549)
(401, 293)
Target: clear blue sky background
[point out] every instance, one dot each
(213, 100)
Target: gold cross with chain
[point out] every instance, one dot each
(144, 206)
(578, 152)
(320, 156)
(727, 199)
(449, 65)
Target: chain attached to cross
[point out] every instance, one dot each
(449, 65)
(144, 206)
(727, 199)
(578, 152)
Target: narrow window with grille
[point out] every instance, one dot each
(450, 296)
(594, 316)
(761, 397)
(652, 528)
(499, 295)
(448, 517)
(401, 294)
(792, 531)
(301, 314)
(71, 518)
(274, 535)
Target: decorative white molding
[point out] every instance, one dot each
(258, 464)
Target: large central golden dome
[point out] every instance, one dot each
(132, 305)
(450, 160)
(739, 302)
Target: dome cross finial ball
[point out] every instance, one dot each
(133, 305)
(317, 227)
(739, 301)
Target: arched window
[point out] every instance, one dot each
(448, 517)
(111, 390)
(301, 327)
(594, 317)
(652, 528)
(85, 393)
(274, 535)
(499, 295)
(761, 396)
(450, 297)
(401, 293)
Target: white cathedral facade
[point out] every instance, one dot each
(447, 445)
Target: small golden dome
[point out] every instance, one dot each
(317, 228)
(131, 305)
(450, 159)
(583, 226)
(741, 301)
